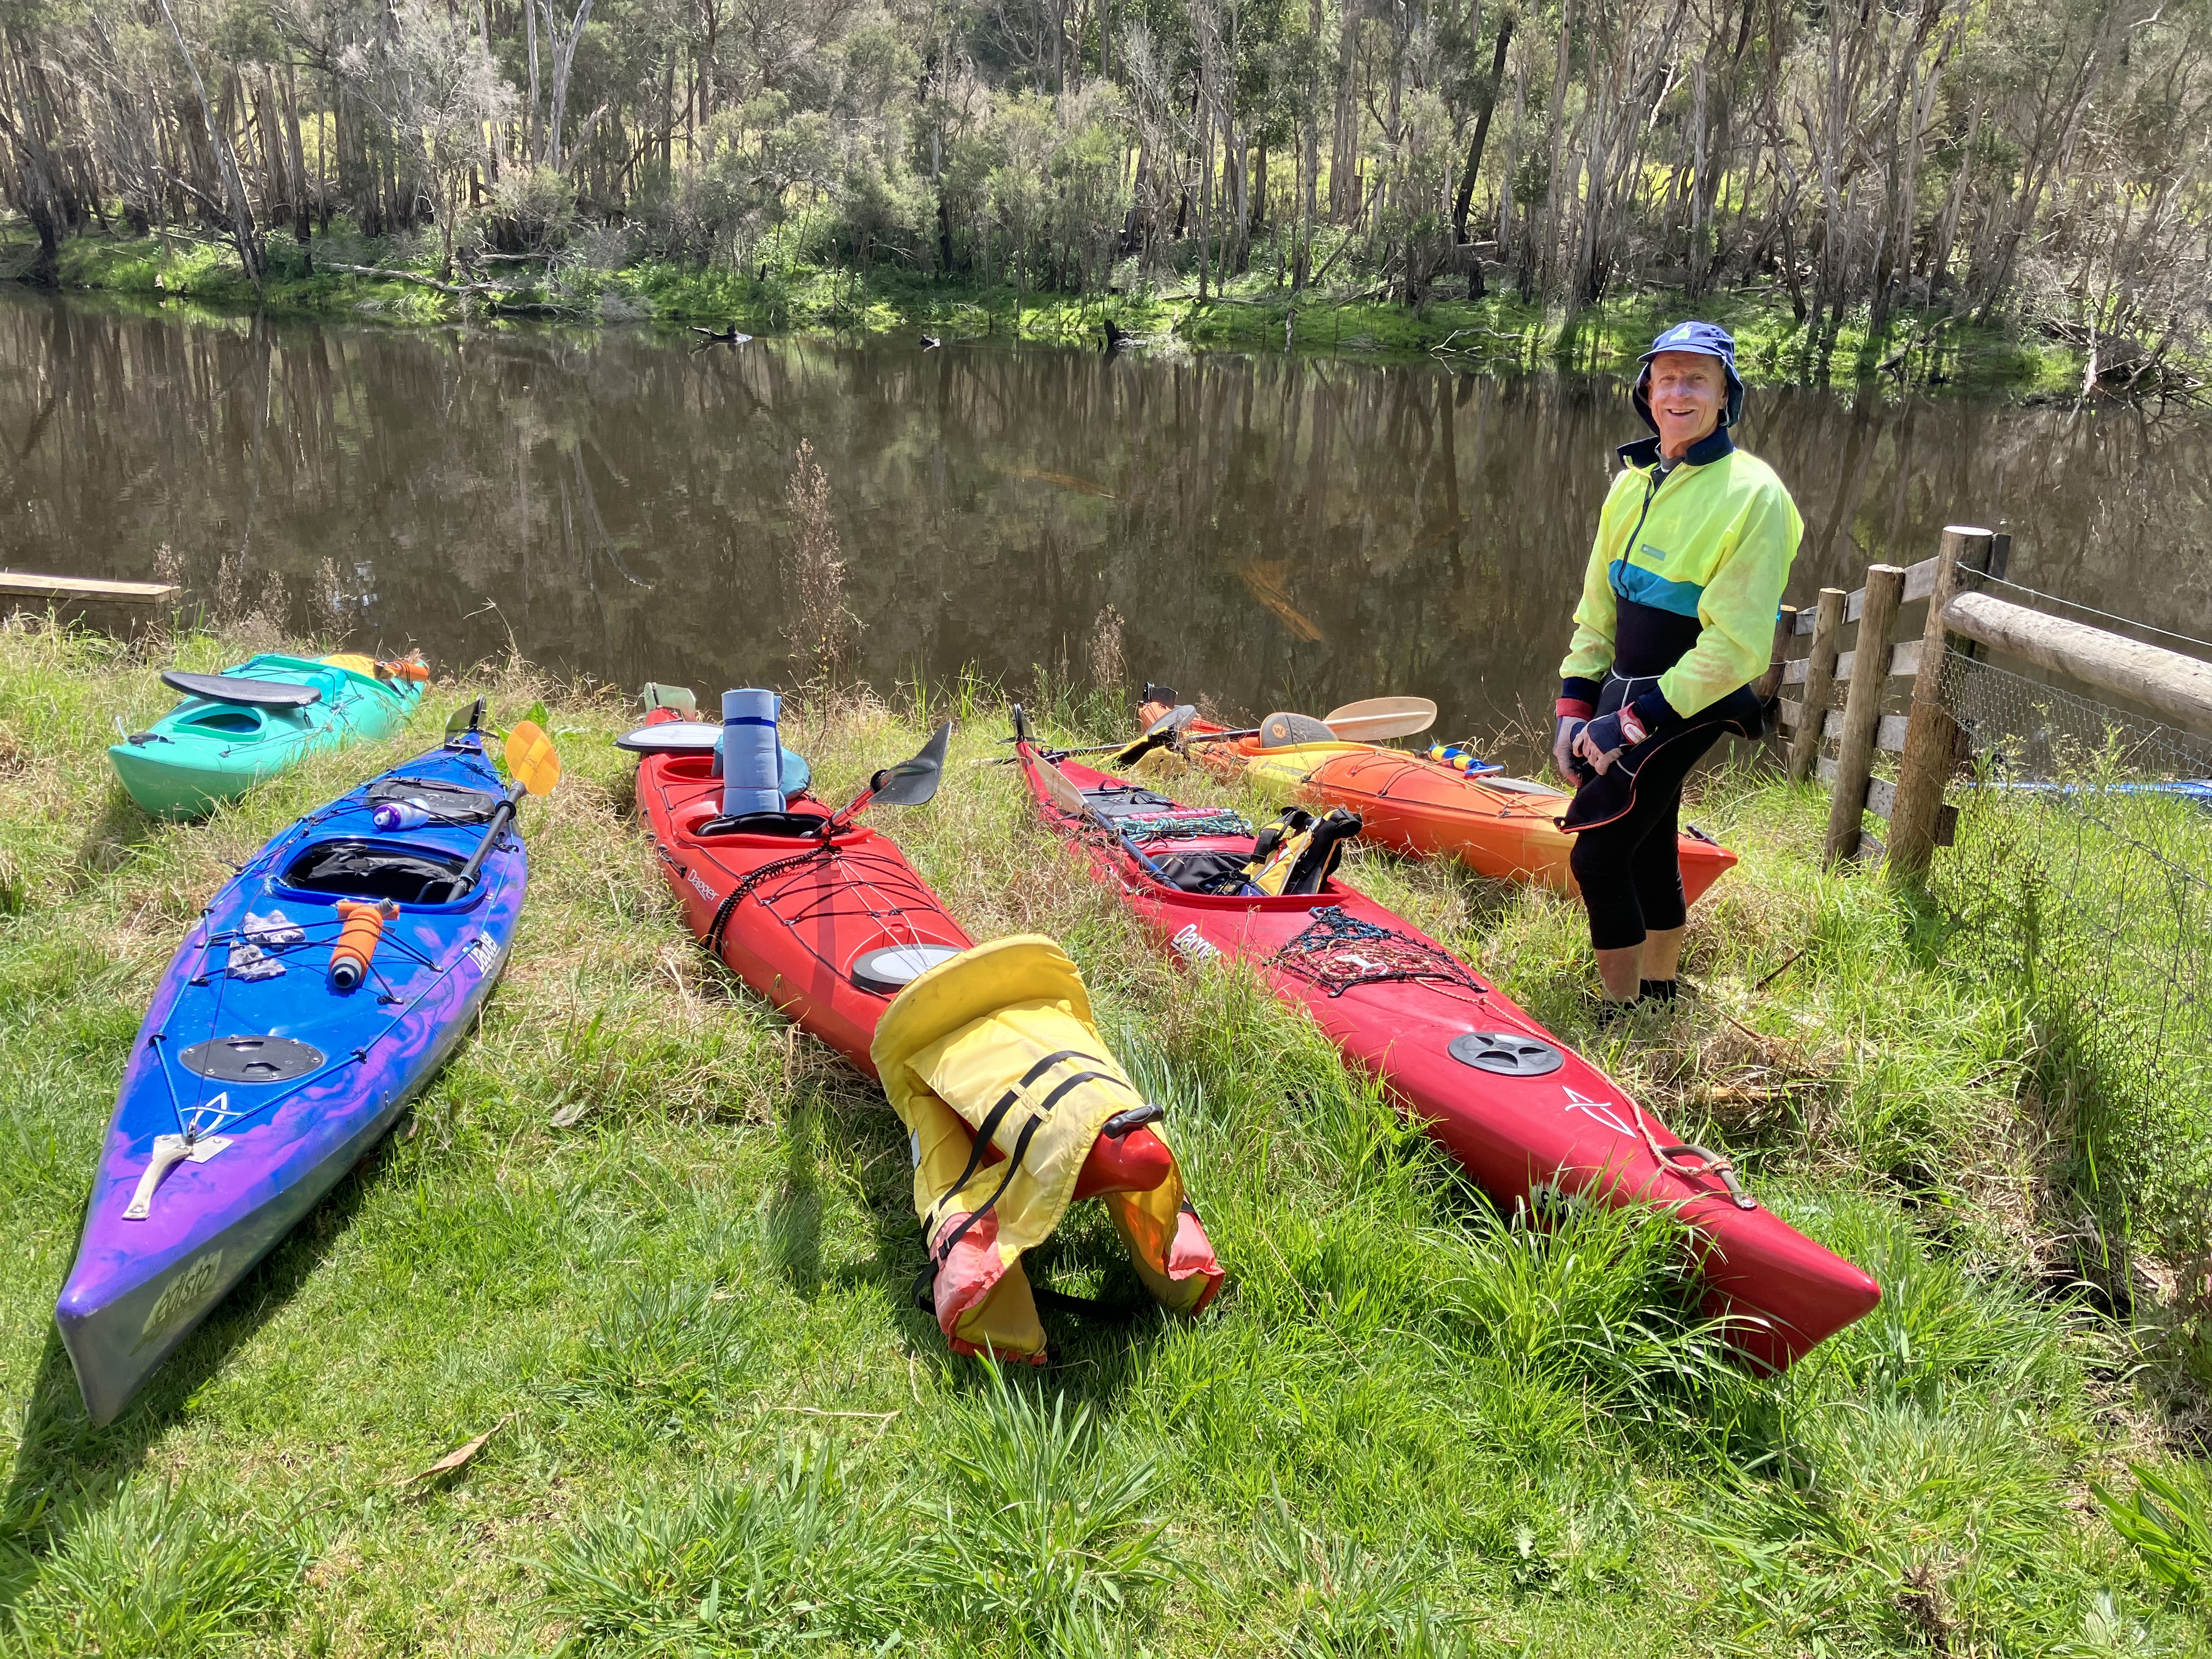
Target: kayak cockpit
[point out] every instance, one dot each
(409, 876)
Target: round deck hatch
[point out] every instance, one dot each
(1507, 1054)
(252, 1059)
(890, 969)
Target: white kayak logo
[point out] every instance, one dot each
(486, 951)
(1193, 946)
(184, 1293)
(705, 891)
(1599, 1110)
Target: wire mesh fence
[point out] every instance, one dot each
(2082, 871)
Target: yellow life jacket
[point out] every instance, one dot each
(996, 1046)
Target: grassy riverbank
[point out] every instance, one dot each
(1255, 314)
(662, 1245)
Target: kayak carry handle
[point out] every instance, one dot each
(1715, 1165)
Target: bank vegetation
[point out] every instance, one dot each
(2044, 163)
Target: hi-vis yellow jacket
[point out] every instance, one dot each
(997, 1044)
(1712, 539)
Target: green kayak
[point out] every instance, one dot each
(250, 722)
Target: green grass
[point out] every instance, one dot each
(664, 1244)
(1498, 332)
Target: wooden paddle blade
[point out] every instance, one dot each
(1065, 795)
(1287, 731)
(1378, 718)
(467, 718)
(531, 760)
(911, 782)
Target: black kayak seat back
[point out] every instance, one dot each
(763, 824)
(366, 871)
(230, 688)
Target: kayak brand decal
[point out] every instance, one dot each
(486, 951)
(1193, 946)
(705, 891)
(1599, 1110)
(183, 1294)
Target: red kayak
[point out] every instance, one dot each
(824, 917)
(1510, 1102)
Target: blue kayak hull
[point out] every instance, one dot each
(279, 1082)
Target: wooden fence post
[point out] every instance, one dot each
(1819, 682)
(1786, 629)
(1931, 736)
(1885, 587)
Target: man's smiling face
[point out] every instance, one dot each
(1687, 392)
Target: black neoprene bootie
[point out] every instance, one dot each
(1603, 1011)
(1656, 990)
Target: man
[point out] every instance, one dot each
(1676, 619)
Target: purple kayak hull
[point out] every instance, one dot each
(289, 1080)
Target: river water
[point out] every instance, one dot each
(1270, 533)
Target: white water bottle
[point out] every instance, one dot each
(392, 815)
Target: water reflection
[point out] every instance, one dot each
(1274, 533)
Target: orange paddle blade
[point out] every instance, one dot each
(531, 761)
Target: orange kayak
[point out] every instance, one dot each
(1505, 828)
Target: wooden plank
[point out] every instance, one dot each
(1903, 659)
(1881, 800)
(1888, 734)
(1788, 715)
(2178, 686)
(1919, 583)
(29, 585)
(1794, 671)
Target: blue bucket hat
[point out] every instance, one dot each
(1703, 340)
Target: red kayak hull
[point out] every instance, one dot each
(804, 920)
(1571, 1129)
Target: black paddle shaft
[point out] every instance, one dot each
(503, 815)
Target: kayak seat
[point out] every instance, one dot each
(363, 870)
(228, 722)
(230, 688)
(792, 825)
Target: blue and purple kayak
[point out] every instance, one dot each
(257, 1081)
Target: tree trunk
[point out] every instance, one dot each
(1465, 197)
(244, 235)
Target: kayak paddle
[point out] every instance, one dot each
(534, 768)
(910, 783)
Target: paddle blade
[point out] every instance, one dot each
(911, 782)
(531, 761)
(469, 717)
(678, 698)
(1161, 730)
(1065, 795)
(1378, 718)
(672, 737)
(1286, 730)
